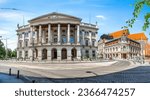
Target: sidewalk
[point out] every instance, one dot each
(4, 78)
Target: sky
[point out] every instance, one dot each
(110, 15)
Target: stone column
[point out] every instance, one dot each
(69, 54)
(40, 34)
(78, 32)
(30, 54)
(17, 53)
(36, 37)
(39, 54)
(83, 40)
(58, 40)
(43, 37)
(49, 54)
(31, 35)
(78, 53)
(90, 37)
(59, 54)
(23, 40)
(68, 34)
(90, 53)
(49, 33)
(23, 54)
(83, 53)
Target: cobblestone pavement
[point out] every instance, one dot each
(140, 74)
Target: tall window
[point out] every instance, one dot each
(64, 40)
(26, 43)
(93, 53)
(20, 53)
(20, 44)
(55, 40)
(26, 34)
(72, 39)
(86, 42)
(26, 54)
(87, 53)
(93, 43)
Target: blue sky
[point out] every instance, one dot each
(111, 15)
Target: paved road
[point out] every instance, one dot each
(116, 72)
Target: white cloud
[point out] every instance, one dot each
(10, 16)
(9, 20)
(101, 17)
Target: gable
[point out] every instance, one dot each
(55, 17)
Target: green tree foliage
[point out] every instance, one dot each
(2, 50)
(139, 4)
(11, 54)
(14, 53)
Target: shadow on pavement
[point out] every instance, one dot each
(136, 75)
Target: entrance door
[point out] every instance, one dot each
(44, 54)
(124, 56)
(54, 53)
(74, 53)
(64, 53)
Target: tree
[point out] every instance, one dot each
(2, 50)
(139, 4)
(14, 53)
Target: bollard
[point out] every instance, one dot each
(10, 71)
(18, 74)
(33, 81)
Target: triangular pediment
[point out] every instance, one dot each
(55, 16)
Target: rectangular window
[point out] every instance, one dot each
(72, 39)
(93, 53)
(26, 54)
(46, 40)
(20, 43)
(26, 43)
(20, 53)
(55, 40)
(87, 53)
(64, 40)
(87, 42)
(93, 43)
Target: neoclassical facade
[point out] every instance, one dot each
(56, 36)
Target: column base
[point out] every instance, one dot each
(69, 58)
(58, 58)
(49, 58)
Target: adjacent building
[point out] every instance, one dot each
(57, 36)
(124, 45)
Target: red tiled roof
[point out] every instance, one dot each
(119, 33)
(138, 36)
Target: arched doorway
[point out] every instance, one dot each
(54, 53)
(64, 53)
(44, 54)
(74, 53)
